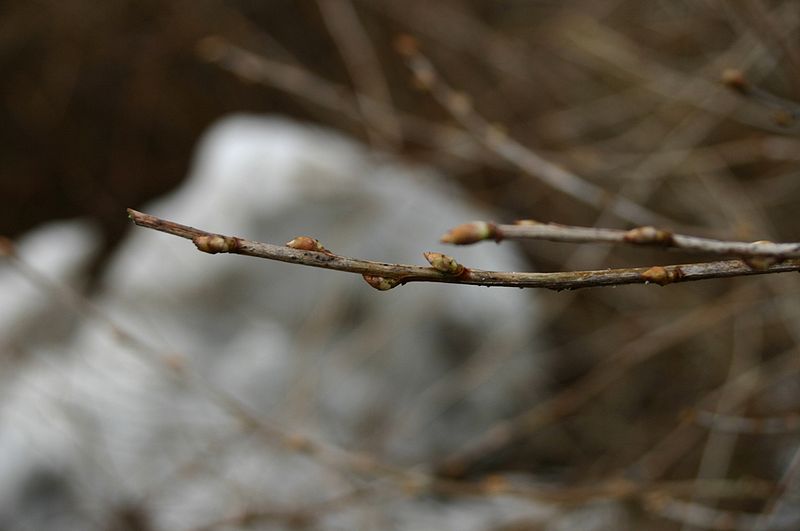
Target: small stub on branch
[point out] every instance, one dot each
(443, 263)
(381, 283)
(299, 443)
(211, 48)
(662, 275)
(471, 232)
(406, 45)
(649, 236)
(460, 103)
(215, 243)
(305, 243)
(734, 79)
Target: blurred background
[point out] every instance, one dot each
(102, 104)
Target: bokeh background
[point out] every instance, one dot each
(102, 104)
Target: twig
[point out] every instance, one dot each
(364, 67)
(507, 432)
(786, 492)
(384, 276)
(497, 141)
(741, 424)
(786, 112)
(298, 81)
(705, 517)
(650, 236)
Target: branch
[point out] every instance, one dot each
(756, 254)
(787, 423)
(497, 141)
(384, 276)
(785, 112)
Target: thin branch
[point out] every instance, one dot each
(699, 515)
(497, 141)
(300, 82)
(786, 112)
(384, 276)
(789, 422)
(364, 68)
(505, 433)
(649, 236)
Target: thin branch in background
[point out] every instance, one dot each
(675, 446)
(410, 482)
(302, 83)
(569, 400)
(757, 15)
(757, 254)
(497, 141)
(384, 276)
(705, 517)
(303, 517)
(717, 454)
(364, 68)
(785, 112)
(786, 490)
(336, 458)
(780, 424)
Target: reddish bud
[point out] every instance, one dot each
(381, 283)
(735, 80)
(472, 232)
(406, 45)
(304, 243)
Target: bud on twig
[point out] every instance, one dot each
(661, 275)
(304, 243)
(735, 80)
(215, 243)
(381, 283)
(760, 263)
(443, 263)
(472, 232)
(649, 235)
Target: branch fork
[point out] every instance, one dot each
(442, 268)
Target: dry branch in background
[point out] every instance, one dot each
(384, 276)
(350, 464)
(497, 141)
